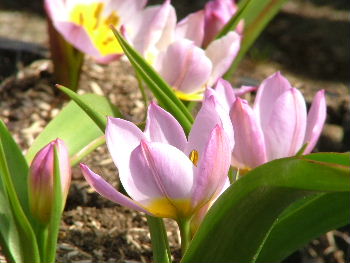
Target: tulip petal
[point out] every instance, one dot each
(122, 137)
(270, 89)
(179, 66)
(192, 28)
(213, 166)
(226, 93)
(217, 14)
(161, 126)
(210, 114)
(284, 128)
(155, 27)
(77, 36)
(108, 191)
(315, 120)
(249, 150)
(222, 52)
(167, 166)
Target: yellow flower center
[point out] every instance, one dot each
(174, 208)
(194, 157)
(196, 96)
(92, 19)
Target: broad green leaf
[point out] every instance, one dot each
(16, 232)
(99, 119)
(326, 209)
(306, 219)
(246, 212)
(74, 126)
(17, 165)
(160, 89)
(256, 15)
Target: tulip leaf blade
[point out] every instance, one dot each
(252, 206)
(160, 89)
(17, 165)
(16, 231)
(318, 214)
(75, 127)
(97, 117)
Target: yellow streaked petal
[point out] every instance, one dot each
(90, 17)
(175, 208)
(197, 96)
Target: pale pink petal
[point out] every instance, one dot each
(213, 167)
(56, 9)
(108, 191)
(192, 28)
(225, 92)
(269, 90)
(155, 28)
(249, 150)
(217, 14)
(210, 115)
(284, 128)
(180, 66)
(315, 120)
(125, 9)
(122, 137)
(161, 126)
(244, 90)
(161, 170)
(78, 37)
(222, 52)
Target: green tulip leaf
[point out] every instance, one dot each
(17, 237)
(247, 212)
(160, 89)
(75, 127)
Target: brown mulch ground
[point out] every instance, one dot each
(96, 230)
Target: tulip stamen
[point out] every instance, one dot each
(97, 15)
(194, 157)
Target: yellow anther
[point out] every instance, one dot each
(97, 14)
(81, 19)
(112, 19)
(194, 157)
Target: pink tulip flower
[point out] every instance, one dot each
(164, 174)
(85, 23)
(41, 179)
(192, 69)
(174, 50)
(216, 14)
(276, 126)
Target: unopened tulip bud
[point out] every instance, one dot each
(41, 179)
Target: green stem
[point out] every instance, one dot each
(160, 243)
(41, 234)
(87, 149)
(185, 233)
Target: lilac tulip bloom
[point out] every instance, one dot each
(216, 14)
(85, 23)
(41, 179)
(192, 69)
(164, 174)
(161, 40)
(276, 126)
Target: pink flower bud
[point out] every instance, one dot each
(41, 179)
